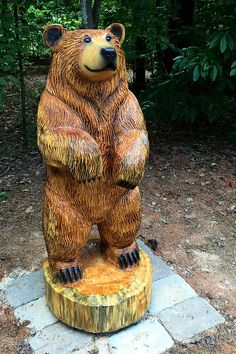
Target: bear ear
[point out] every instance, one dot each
(52, 34)
(118, 30)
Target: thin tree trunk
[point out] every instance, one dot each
(4, 20)
(96, 12)
(86, 10)
(90, 13)
(21, 75)
(140, 79)
(185, 17)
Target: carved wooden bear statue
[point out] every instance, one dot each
(93, 139)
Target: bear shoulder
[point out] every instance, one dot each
(52, 112)
(130, 113)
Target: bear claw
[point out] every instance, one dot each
(70, 274)
(127, 260)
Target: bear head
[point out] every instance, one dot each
(93, 55)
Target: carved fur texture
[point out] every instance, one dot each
(93, 138)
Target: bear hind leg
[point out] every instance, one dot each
(66, 231)
(119, 230)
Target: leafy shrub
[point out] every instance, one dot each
(202, 81)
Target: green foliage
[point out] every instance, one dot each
(144, 22)
(33, 17)
(233, 69)
(172, 100)
(202, 83)
(189, 56)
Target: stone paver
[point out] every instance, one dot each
(59, 339)
(24, 289)
(159, 268)
(146, 249)
(176, 312)
(148, 337)
(189, 318)
(169, 291)
(96, 348)
(37, 312)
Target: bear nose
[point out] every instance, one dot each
(108, 53)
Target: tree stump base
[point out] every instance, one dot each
(107, 299)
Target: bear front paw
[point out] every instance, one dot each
(88, 168)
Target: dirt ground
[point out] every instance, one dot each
(189, 218)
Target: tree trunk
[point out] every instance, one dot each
(90, 13)
(186, 12)
(86, 10)
(139, 75)
(21, 75)
(4, 21)
(185, 18)
(96, 12)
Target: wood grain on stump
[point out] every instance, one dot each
(107, 298)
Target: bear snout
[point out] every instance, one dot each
(108, 53)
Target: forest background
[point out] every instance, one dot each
(181, 60)
(181, 56)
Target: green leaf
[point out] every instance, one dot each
(206, 66)
(178, 57)
(213, 73)
(2, 194)
(223, 44)
(233, 65)
(196, 73)
(215, 40)
(233, 72)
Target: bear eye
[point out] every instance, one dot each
(87, 39)
(108, 38)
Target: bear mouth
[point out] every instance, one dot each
(109, 66)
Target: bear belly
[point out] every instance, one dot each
(93, 199)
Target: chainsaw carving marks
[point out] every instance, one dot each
(93, 139)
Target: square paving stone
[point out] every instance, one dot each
(159, 268)
(147, 337)
(59, 339)
(169, 291)
(189, 318)
(37, 312)
(26, 288)
(146, 249)
(96, 348)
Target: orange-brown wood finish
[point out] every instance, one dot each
(92, 136)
